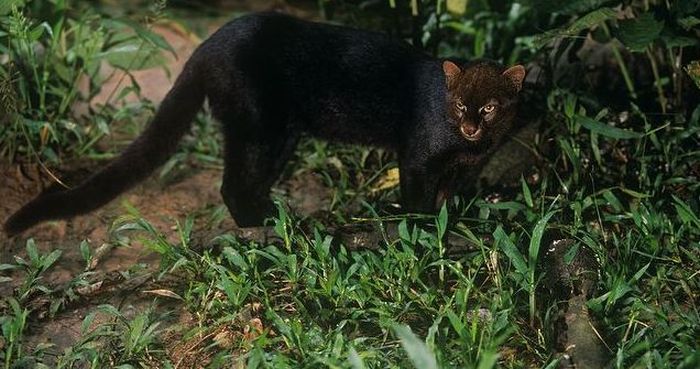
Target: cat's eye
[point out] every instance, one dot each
(488, 108)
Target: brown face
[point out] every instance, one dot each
(481, 99)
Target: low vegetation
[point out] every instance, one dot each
(615, 175)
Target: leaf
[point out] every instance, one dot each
(4, 267)
(87, 322)
(235, 258)
(85, 251)
(164, 293)
(512, 252)
(504, 205)
(688, 22)
(38, 31)
(457, 6)
(637, 33)
(355, 359)
(635, 194)
(442, 221)
(591, 20)
(606, 129)
(571, 253)
(693, 70)
(109, 309)
(612, 200)
(569, 7)
(147, 35)
(132, 56)
(6, 6)
(534, 249)
(685, 213)
(673, 40)
(389, 180)
(526, 192)
(588, 21)
(417, 351)
(50, 259)
(32, 251)
(487, 360)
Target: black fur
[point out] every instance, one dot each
(269, 77)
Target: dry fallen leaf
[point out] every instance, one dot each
(389, 180)
(457, 6)
(253, 330)
(165, 293)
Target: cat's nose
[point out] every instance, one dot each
(470, 131)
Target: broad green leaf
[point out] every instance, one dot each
(536, 239)
(636, 34)
(133, 56)
(526, 192)
(4, 267)
(512, 252)
(417, 351)
(147, 35)
(32, 251)
(505, 205)
(570, 7)
(35, 33)
(693, 70)
(685, 213)
(457, 6)
(442, 220)
(606, 130)
(51, 258)
(110, 309)
(355, 359)
(591, 20)
(6, 6)
(588, 21)
(571, 253)
(635, 194)
(487, 360)
(688, 22)
(612, 200)
(672, 40)
(235, 258)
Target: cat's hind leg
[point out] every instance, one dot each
(253, 161)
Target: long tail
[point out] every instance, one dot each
(149, 151)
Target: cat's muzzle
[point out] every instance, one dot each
(469, 133)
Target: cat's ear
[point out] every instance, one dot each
(451, 70)
(516, 75)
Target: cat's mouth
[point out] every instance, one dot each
(469, 133)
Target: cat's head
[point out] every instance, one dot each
(482, 99)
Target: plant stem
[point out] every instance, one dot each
(621, 63)
(657, 79)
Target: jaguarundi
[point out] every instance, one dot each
(270, 77)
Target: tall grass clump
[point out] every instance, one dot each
(49, 49)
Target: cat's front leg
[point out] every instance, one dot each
(419, 187)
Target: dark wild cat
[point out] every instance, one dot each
(270, 77)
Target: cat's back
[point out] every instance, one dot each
(281, 35)
(327, 76)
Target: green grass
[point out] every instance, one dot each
(51, 48)
(620, 183)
